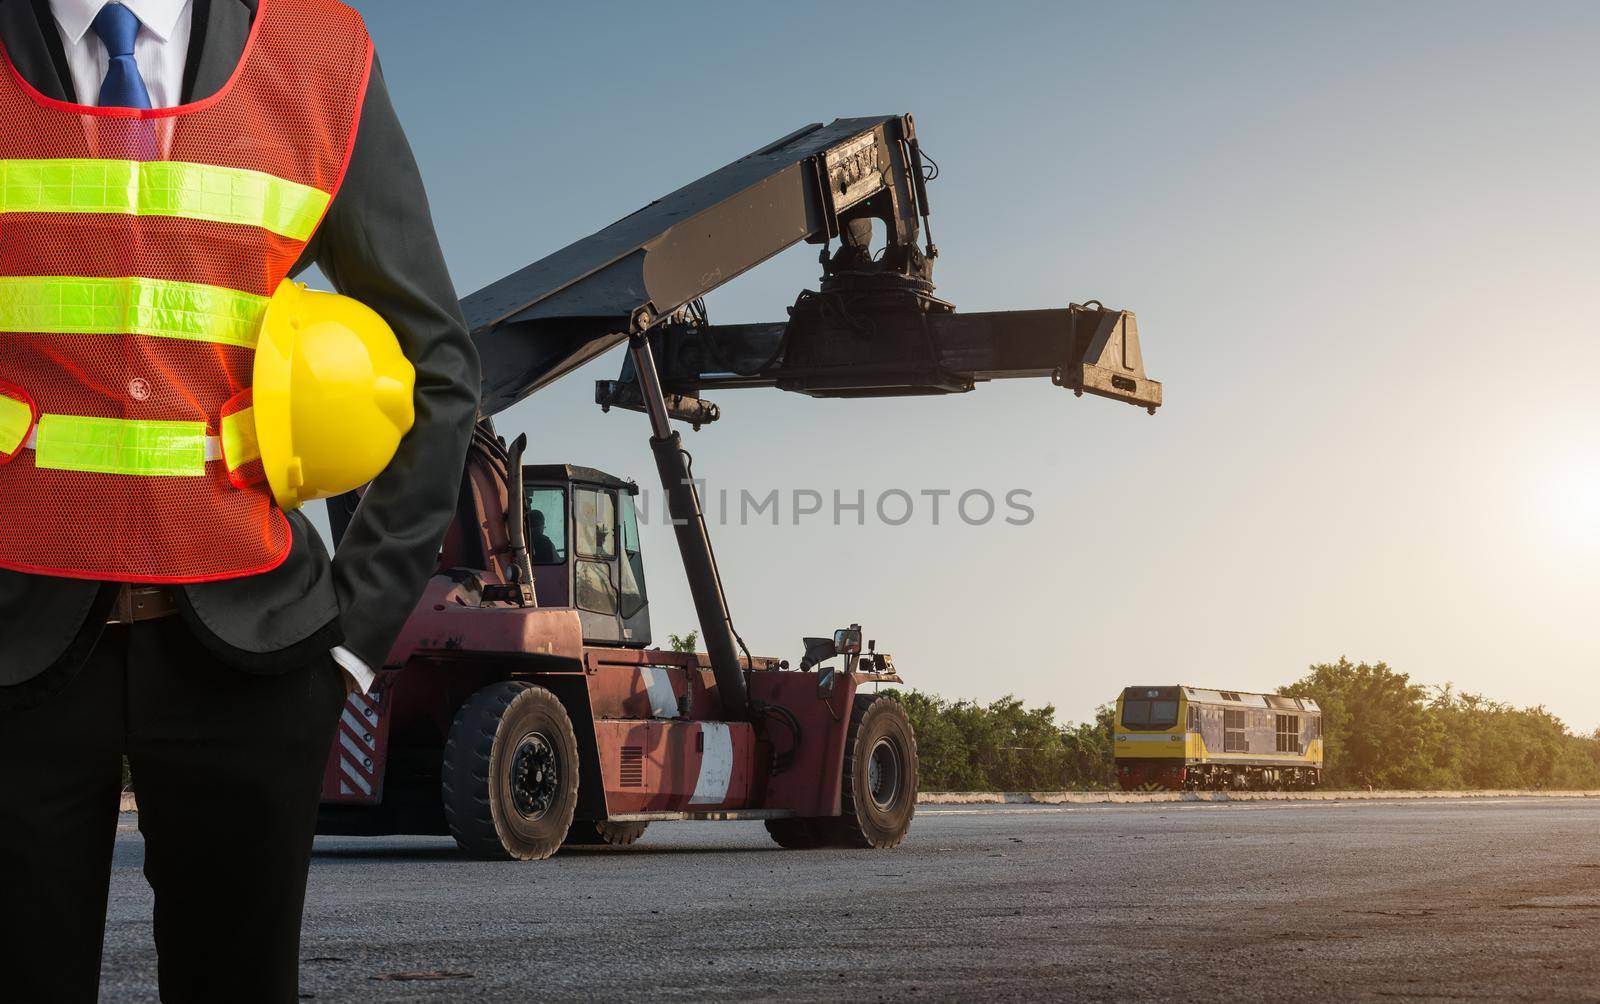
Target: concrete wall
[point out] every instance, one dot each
(1092, 797)
(1106, 797)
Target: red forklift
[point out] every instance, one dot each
(525, 706)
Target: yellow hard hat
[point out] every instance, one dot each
(332, 394)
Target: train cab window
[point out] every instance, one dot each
(1149, 716)
(1235, 738)
(547, 525)
(1194, 718)
(1288, 729)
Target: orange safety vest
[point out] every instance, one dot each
(138, 249)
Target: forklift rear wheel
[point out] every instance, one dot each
(588, 833)
(799, 834)
(510, 780)
(879, 796)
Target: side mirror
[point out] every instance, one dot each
(818, 650)
(847, 641)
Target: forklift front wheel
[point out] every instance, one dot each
(510, 782)
(879, 796)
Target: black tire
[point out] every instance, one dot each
(510, 778)
(588, 833)
(796, 834)
(879, 796)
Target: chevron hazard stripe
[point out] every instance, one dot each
(355, 767)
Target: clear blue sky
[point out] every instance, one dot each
(1360, 239)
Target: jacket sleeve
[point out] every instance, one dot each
(377, 245)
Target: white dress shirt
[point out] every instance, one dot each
(161, 48)
(161, 51)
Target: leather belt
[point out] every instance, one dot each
(142, 603)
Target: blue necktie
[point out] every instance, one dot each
(117, 27)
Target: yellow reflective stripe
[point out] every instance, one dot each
(120, 446)
(162, 188)
(15, 418)
(239, 445)
(72, 305)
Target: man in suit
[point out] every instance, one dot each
(223, 695)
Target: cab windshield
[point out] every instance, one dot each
(1149, 715)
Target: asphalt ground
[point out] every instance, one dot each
(1483, 899)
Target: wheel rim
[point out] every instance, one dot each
(535, 776)
(883, 773)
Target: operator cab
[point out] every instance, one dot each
(1149, 709)
(583, 539)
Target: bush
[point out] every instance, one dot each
(1003, 746)
(1379, 729)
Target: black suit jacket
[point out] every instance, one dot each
(376, 244)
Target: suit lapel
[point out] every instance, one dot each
(34, 46)
(221, 28)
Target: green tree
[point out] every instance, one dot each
(1381, 729)
(1498, 746)
(1090, 749)
(683, 642)
(944, 760)
(1019, 749)
(1005, 746)
(1377, 727)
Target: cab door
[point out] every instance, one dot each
(595, 575)
(635, 600)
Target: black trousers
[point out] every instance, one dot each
(227, 767)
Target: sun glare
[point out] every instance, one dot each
(1574, 500)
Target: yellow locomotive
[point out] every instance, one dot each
(1181, 737)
